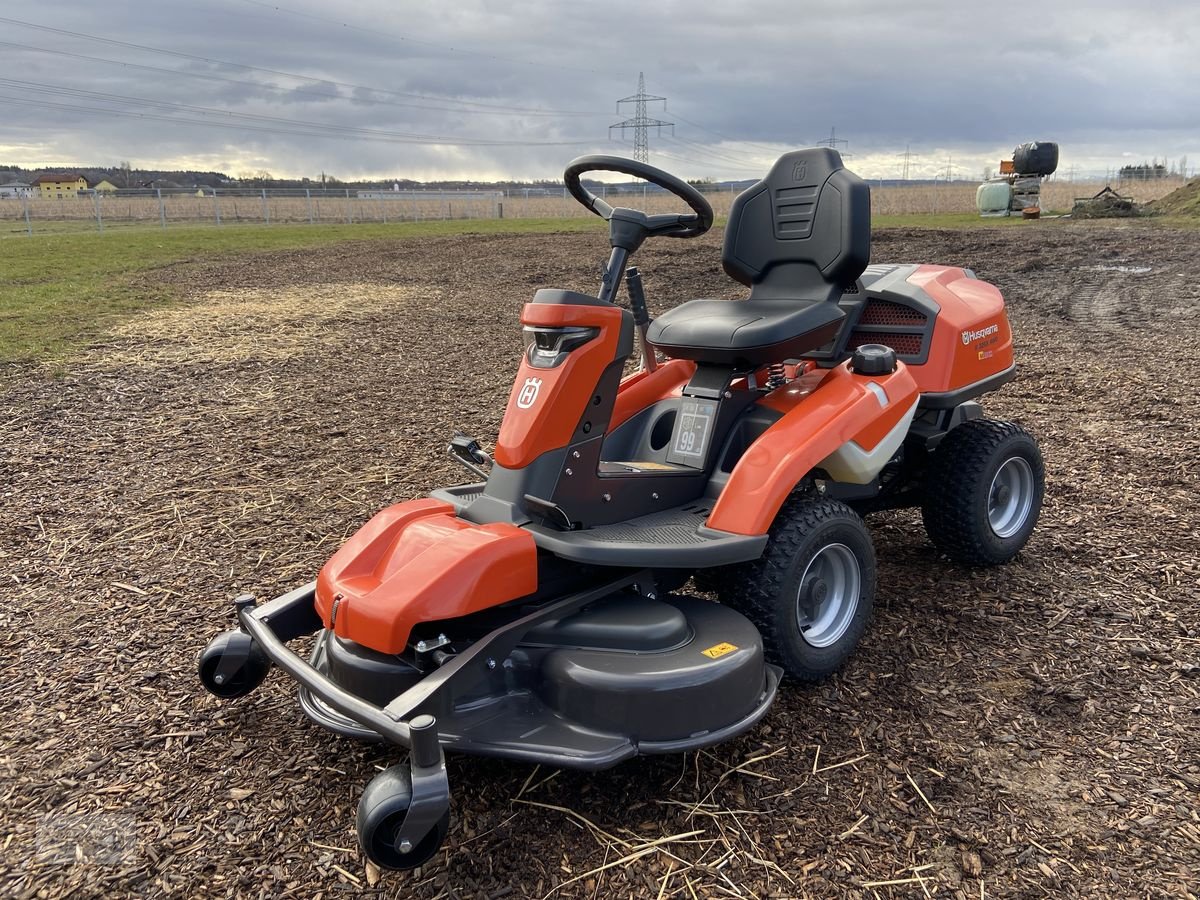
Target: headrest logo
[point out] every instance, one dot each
(529, 393)
(800, 170)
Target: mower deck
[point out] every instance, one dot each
(531, 706)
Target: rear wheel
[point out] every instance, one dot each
(983, 492)
(811, 592)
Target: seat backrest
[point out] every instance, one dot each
(803, 232)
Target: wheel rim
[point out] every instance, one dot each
(828, 595)
(1010, 497)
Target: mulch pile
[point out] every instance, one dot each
(1025, 731)
(1183, 201)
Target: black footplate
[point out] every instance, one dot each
(673, 538)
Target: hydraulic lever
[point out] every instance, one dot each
(465, 451)
(641, 316)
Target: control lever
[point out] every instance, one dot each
(641, 316)
(465, 451)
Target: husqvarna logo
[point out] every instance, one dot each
(968, 336)
(529, 392)
(799, 170)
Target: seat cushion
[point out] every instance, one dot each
(745, 333)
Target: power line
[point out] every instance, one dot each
(641, 123)
(714, 157)
(765, 147)
(176, 120)
(743, 172)
(307, 92)
(409, 39)
(247, 121)
(344, 84)
(41, 87)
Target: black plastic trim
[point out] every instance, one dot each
(568, 298)
(950, 399)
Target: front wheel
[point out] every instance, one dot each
(983, 492)
(233, 665)
(811, 592)
(382, 810)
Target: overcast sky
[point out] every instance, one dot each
(492, 89)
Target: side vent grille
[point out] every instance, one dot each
(884, 312)
(894, 325)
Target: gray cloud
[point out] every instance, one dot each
(1109, 81)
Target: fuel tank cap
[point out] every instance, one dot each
(873, 359)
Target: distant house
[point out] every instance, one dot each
(104, 186)
(15, 190)
(59, 186)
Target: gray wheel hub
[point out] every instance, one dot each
(1010, 497)
(828, 595)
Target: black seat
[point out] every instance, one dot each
(797, 238)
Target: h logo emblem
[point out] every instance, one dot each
(529, 393)
(800, 170)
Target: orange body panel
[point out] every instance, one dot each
(545, 405)
(643, 388)
(417, 562)
(822, 410)
(971, 337)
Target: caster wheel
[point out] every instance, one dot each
(983, 492)
(232, 665)
(811, 592)
(381, 812)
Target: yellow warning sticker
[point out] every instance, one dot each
(646, 466)
(719, 650)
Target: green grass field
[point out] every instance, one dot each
(58, 292)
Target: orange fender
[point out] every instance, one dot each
(417, 562)
(821, 411)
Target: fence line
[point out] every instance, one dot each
(95, 210)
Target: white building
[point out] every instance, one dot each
(15, 190)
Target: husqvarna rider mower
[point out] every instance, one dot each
(533, 614)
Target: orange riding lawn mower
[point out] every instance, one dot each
(536, 613)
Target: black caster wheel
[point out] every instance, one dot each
(381, 812)
(232, 665)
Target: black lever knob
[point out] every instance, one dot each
(637, 297)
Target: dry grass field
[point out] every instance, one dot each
(178, 209)
(1029, 731)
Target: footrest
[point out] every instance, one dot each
(460, 496)
(672, 539)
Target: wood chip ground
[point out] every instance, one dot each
(1027, 731)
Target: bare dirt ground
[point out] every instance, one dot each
(1027, 731)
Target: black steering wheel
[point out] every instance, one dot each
(662, 225)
